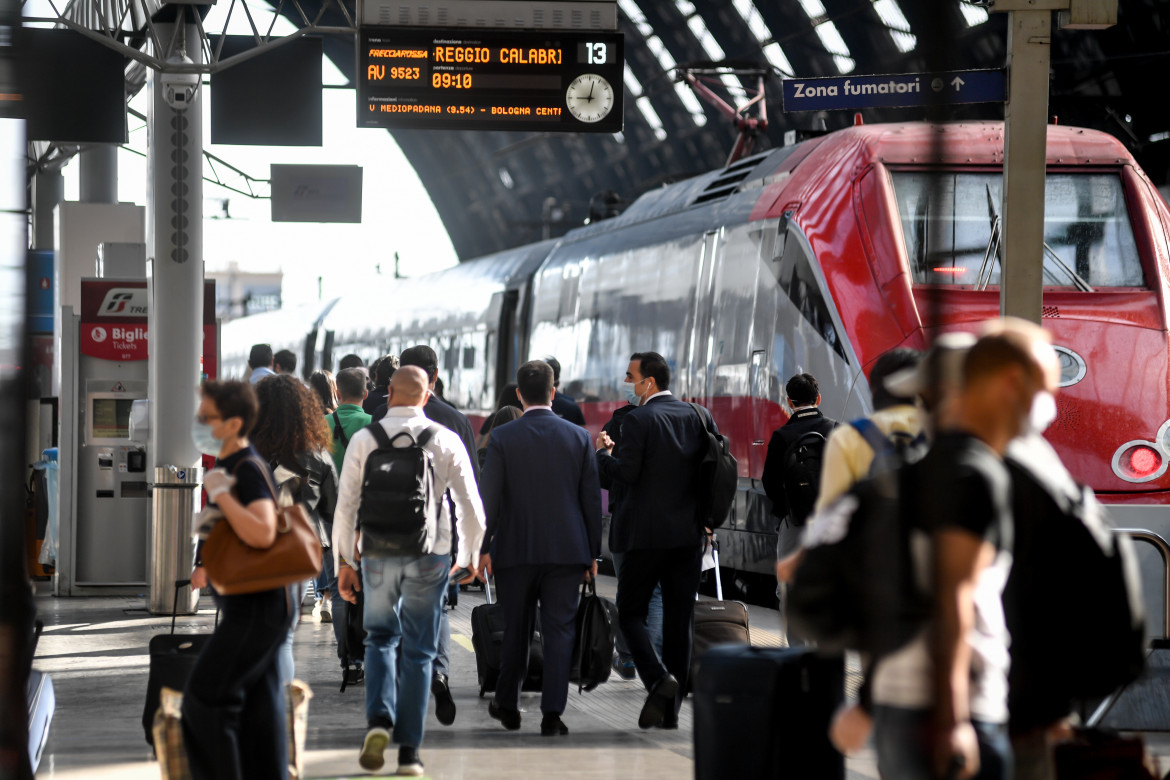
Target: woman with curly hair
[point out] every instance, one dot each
(292, 436)
(325, 386)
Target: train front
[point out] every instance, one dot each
(1105, 296)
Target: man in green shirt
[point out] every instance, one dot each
(348, 418)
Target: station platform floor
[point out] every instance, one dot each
(95, 650)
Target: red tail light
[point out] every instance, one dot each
(1139, 461)
(1144, 461)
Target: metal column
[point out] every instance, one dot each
(1021, 291)
(175, 267)
(48, 191)
(99, 174)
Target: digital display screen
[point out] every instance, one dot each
(111, 418)
(470, 79)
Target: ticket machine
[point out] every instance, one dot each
(105, 526)
(112, 495)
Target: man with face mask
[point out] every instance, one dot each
(940, 702)
(656, 528)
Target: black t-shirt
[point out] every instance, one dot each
(252, 484)
(965, 485)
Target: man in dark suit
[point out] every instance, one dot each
(563, 405)
(451, 418)
(543, 506)
(657, 528)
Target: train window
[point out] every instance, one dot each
(794, 273)
(469, 357)
(952, 227)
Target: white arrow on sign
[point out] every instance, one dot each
(957, 83)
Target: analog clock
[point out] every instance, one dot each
(589, 97)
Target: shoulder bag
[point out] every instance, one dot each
(235, 568)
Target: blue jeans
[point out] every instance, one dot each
(443, 656)
(902, 739)
(326, 580)
(653, 620)
(288, 671)
(403, 603)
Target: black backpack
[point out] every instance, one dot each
(399, 504)
(1069, 568)
(855, 588)
(718, 477)
(339, 431)
(802, 475)
(593, 645)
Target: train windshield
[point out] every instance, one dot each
(953, 230)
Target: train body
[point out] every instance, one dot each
(815, 257)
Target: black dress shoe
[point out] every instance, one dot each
(444, 703)
(510, 718)
(553, 726)
(658, 702)
(670, 722)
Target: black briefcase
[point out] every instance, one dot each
(172, 657)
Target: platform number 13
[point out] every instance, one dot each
(596, 53)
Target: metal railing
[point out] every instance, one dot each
(1163, 548)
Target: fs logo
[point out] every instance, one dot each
(117, 303)
(124, 302)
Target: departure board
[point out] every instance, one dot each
(472, 79)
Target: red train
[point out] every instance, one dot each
(815, 257)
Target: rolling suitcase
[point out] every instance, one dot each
(717, 623)
(487, 635)
(172, 657)
(764, 712)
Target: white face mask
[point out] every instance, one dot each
(631, 390)
(204, 439)
(1043, 411)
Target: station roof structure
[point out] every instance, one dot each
(495, 190)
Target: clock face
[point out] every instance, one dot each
(589, 97)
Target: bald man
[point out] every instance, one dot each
(403, 581)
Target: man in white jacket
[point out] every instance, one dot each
(403, 583)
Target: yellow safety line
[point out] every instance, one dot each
(463, 641)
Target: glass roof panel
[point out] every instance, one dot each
(892, 16)
(973, 14)
(665, 60)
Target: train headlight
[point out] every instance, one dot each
(1140, 461)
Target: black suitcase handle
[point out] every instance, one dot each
(175, 605)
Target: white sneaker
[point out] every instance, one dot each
(375, 744)
(319, 611)
(325, 609)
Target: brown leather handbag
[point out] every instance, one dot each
(235, 568)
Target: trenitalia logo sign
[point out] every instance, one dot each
(113, 320)
(124, 302)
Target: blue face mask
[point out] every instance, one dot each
(204, 439)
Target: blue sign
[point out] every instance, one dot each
(896, 90)
(40, 300)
